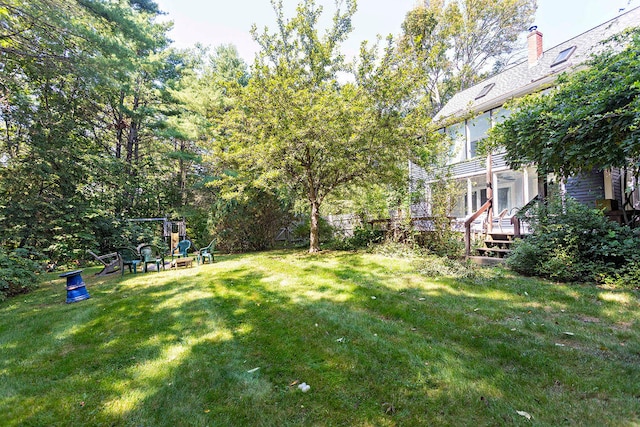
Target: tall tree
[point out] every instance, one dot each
(449, 46)
(301, 128)
(60, 60)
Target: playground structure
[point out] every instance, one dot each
(172, 231)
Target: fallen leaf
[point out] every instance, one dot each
(389, 409)
(524, 414)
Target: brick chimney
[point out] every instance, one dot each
(534, 41)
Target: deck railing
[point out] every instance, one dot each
(467, 224)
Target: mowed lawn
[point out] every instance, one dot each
(379, 345)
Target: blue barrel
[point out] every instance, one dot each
(76, 290)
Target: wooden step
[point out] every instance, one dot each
(500, 253)
(501, 236)
(498, 244)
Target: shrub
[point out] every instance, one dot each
(18, 272)
(572, 242)
(363, 237)
(249, 223)
(302, 230)
(627, 277)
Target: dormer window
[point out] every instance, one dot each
(485, 90)
(563, 56)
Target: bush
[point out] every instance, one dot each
(572, 242)
(249, 224)
(302, 230)
(362, 238)
(18, 272)
(627, 277)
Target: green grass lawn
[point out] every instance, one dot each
(379, 345)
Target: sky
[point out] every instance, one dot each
(216, 22)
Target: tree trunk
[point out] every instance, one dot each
(183, 175)
(314, 233)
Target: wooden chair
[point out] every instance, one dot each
(110, 262)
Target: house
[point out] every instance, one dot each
(470, 113)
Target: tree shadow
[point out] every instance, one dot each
(228, 345)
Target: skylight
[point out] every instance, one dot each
(563, 56)
(485, 90)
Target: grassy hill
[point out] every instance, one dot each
(378, 343)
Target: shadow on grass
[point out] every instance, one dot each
(226, 345)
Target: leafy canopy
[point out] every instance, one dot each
(301, 125)
(588, 121)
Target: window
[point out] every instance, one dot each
(485, 90)
(478, 129)
(499, 115)
(563, 56)
(478, 192)
(458, 150)
(459, 207)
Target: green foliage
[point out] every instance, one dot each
(446, 46)
(91, 131)
(249, 222)
(362, 238)
(571, 242)
(626, 277)
(297, 128)
(589, 120)
(439, 266)
(303, 228)
(442, 239)
(18, 272)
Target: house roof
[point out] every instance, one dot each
(523, 78)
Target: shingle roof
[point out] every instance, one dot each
(523, 78)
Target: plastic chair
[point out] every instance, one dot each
(129, 257)
(207, 252)
(181, 249)
(151, 254)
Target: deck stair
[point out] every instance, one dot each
(495, 249)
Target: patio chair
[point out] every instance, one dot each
(181, 249)
(129, 257)
(151, 254)
(500, 218)
(207, 252)
(110, 262)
